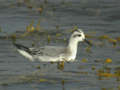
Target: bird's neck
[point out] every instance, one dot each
(72, 46)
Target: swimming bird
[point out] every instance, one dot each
(54, 53)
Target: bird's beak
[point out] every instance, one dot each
(88, 42)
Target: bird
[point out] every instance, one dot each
(54, 53)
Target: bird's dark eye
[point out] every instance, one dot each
(79, 35)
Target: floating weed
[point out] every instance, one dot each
(65, 39)
(25, 34)
(33, 44)
(4, 84)
(63, 82)
(48, 38)
(29, 6)
(46, 80)
(113, 41)
(38, 26)
(61, 65)
(38, 67)
(52, 62)
(26, 78)
(0, 29)
(84, 60)
(103, 37)
(88, 49)
(118, 39)
(30, 27)
(118, 87)
(108, 60)
(43, 80)
(58, 34)
(13, 37)
(105, 74)
(103, 89)
(57, 27)
(40, 10)
(89, 36)
(93, 67)
(98, 73)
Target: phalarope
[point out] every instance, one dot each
(54, 53)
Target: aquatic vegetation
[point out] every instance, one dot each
(65, 39)
(93, 67)
(118, 39)
(108, 60)
(43, 80)
(29, 6)
(60, 65)
(38, 67)
(13, 37)
(38, 26)
(88, 49)
(0, 29)
(105, 74)
(33, 44)
(58, 34)
(48, 38)
(103, 37)
(4, 84)
(30, 27)
(113, 41)
(84, 60)
(74, 28)
(26, 78)
(89, 36)
(40, 10)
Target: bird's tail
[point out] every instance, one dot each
(21, 47)
(25, 51)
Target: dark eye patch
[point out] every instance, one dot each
(77, 35)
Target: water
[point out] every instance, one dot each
(88, 72)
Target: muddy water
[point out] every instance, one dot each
(88, 72)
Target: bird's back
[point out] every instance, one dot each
(47, 53)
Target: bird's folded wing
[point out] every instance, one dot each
(47, 51)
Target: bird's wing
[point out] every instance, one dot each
(47, 51)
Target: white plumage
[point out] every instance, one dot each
(54, 53)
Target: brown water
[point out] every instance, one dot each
(88, 72)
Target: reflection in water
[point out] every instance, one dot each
(63, 83)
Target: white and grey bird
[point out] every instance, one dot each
(54, 53)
